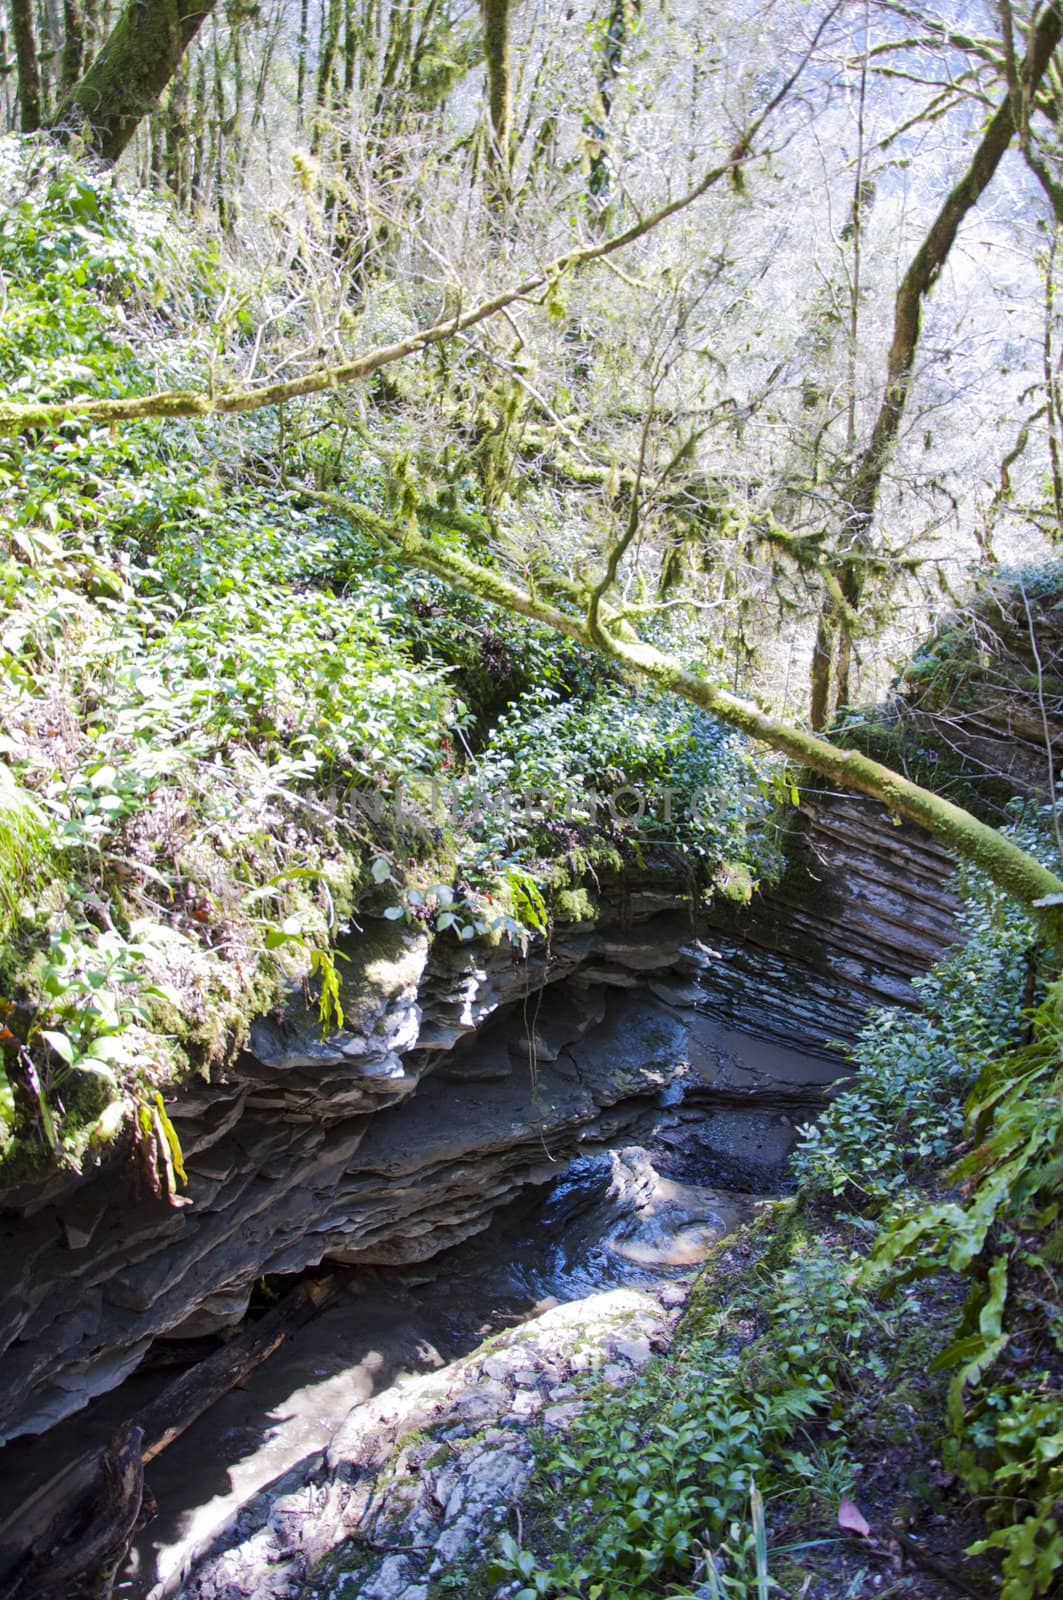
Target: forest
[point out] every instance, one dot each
(458, 454)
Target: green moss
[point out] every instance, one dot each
(573, 905)
(766, 1243)
(929, 759)
(735, 882)
(607, 858)
(24, 1159)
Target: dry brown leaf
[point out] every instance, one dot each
(852, 1518)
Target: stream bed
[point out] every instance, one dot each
(637, 1217)
(611, 1221)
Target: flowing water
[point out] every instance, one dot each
(641, 1216)
(610, 1220)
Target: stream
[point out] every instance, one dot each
(642, 1215)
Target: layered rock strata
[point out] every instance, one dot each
(462, 1075)
(865, 904)
(313, 1147)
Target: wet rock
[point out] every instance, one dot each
(413, 1483)
(562, 1017)
(749, 1149)
(675, 993)
(446, 1094)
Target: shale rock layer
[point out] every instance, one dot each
(864, 905)
(462, 1075)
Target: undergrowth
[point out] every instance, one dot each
(810, 1368)
(229, 725)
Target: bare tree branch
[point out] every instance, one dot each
(226, 402)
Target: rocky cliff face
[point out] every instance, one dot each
(462, 1075)
(314, 1147)
(987, 686)
(864, 906)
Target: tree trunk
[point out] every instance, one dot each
(865, 481)
(218, 127)
(499, 97)
(600, 175)
(49, 36)
(822, 675)
(7, 120)
(73, 46)
(91, 34)
(300, 81)
(125, 81)
(29, 66)
(331, 16)
(351, 41)
(925, 268)
(178, 131)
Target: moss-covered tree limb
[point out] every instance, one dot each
(17, 416)
(14, 417)
(1005, 862)
(698, 500)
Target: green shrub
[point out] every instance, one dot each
(636, 767)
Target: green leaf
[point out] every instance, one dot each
(169, 1133)
(98, 1069)
(975, 1353)
(60, 1043)
(111, 1047)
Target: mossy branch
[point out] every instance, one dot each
(17, 416)
(1005, 862)
(695, 497)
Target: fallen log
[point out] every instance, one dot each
(85, 1563)
(76, 1527)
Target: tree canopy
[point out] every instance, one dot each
(793, 459)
